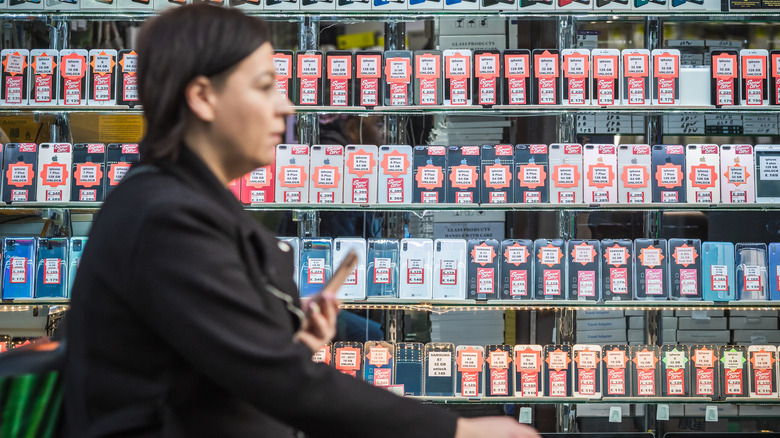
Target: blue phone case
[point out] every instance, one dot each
(773, 271)
(409, 364)
(19, 267)
(52, 268)
(382, 275)
(440, 369)
(75, 249)
(718, 271)
(315, 265)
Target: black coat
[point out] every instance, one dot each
(180, 326)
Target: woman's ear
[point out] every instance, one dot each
(200, 98)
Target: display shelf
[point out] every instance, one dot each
(537, 110)
(610, 400)
(471, 110)
(21, 208)
(49, 306)
(416, 15)
(445, 306)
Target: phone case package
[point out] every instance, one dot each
(327, 181)
(675, 371)
(52, 268)
(257, 186)
(360, 174)
(587, 371)
(285, 73)
(606, 76)
(685, 269)
(636, 76)
(516, 84)
(616, 378)
(339, 78)
(497, 167)
(449, 269)
(119, 158)
(576, 76)
(557, 371)
(705, 371)
(74, 71)
(646, 371)
(54, 176)
(369, 91)
(531, 169)
(724, 88)
(15, 76)
(21, 170)
(547, 87)
(75, 249)
(354, 287)
(44, 78)
(416, 268)
(409, 366)
(429, 164)
(88, 170)
(483, 269)
(549, 269)
(395, 174)
(487, 71)
(348, 358)
(617, 269)
(398, 78)
(439, 369)
(718, 271)
(703, 164)
(566, 174)
(470, 379)
(292, 173)
(463, 169)
(584, 274)
(737, 171)
(528, 370)
(19, 264)
(734, 370)
(762, 366)
(383, 257)
(651, 267)
(600, 167)
(751, 271)
(315, 265)
(517, 275)
(666, 76)
(668, 171)
(379, 360)
(634, 163)
(499, 374)
(428, 86)
(103, 76)
(457, 77)
(309, 78)
(754, 77)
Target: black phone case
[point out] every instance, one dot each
(290, 83)
(705, 380)
(115, 155)
(733, 371)
(339, 89)
(423, 158)
(523, 85)
(685, 277)
(314, 85)
(96, 80)
(523, 157)
(616, 374)
(400, 94)
(428, 91)
(517, 273)
(586, 381)
(663, 164)
(536, 94)
(584, 279)
(499, 380)
(483, 270)
(373, 87)
(89, 191)
(483, 85)
(557, 380)
(675, 365)
(495, 160)
(653, 276)
(645, 381)
(735, 82)
(457, 163)
(127, 78)
(550, 277)
(617, 269)
(20, 192)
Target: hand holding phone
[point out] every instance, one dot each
(322, 309)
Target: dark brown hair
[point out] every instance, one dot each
(176, 47)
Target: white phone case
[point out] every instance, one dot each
(12, 85)
(767, 178)
(54, 172)
(395, 174)
(416, 261)
(606, 77)
(590, 360)
(600, 168)
(666, 77)
(102, 76)
(455, 69)
(737, 173)
(44, 77)
(74, 94)
(634, 165)
(326, 182)
(361, 171)
(635, 73)
(702, 179)
(575, 71)
(292, 173)
(449, 269)
(565, 173)
(354, 287)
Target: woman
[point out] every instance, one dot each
(184, 320)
